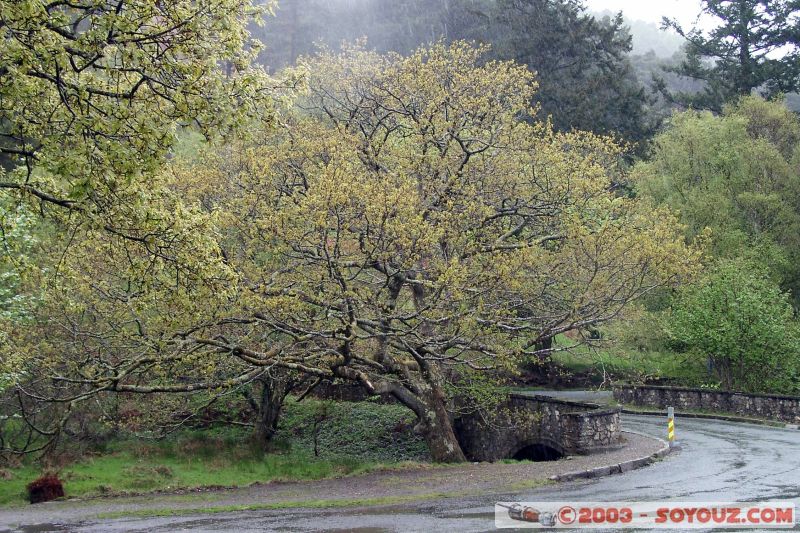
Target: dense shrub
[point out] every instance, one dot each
(737, 319)
(44, 489)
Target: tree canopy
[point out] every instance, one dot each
(738, 318)
(754, 47)
(402, 229)
(92, 98)
(735, 174)
(92, 94)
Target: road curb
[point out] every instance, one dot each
(619, 468)
(724, 418)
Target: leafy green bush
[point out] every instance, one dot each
(738, 320)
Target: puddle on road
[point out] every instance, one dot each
(358, 530)
(41, 528)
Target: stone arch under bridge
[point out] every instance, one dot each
(541, 427)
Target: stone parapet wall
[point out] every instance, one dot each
(571, 428)
(769, 406)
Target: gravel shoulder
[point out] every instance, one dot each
(379, 488)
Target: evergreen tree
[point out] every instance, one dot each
(585, 76)
(754, 47)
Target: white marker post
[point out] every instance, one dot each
(671, 427)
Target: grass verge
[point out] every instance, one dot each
(313, 504)
(295, 504)
(625, 364)
(348, 439)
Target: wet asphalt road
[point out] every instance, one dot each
(600, 397)
(718, 461)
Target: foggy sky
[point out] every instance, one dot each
(685, 11)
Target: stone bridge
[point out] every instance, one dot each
(539, 428)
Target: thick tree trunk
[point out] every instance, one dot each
(434, 421)
(273, 391)
(418, 389)
(428, 402)
(437, 430)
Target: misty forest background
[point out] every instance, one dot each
(595, 70)
(599, 72)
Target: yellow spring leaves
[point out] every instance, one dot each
(422, 168)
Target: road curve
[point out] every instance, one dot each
(718, 461)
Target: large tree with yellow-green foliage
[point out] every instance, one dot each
(402, 229)
(92, 96)
(93, 92)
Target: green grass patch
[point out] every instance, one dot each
(529, 484)
(128, 472)
(628, 365)
(308, 504)
(351, 438)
